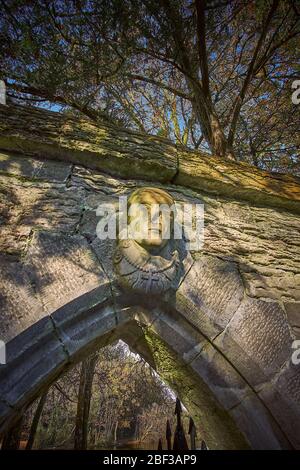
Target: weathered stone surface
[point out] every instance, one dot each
(34, 169)
(126, 153)
(263, 242)
(102, 183)
(263, 432)
(89, 329)
(216, 289)
(282, 397)
(217, 426)
(51, 258)
(19, 306)
(34, 358)
(184, 340)
(288, 382)
(293, 313)
(103, 250)
(26, 206)
(133, 336)
(119, 151)
(61, 268)
(237, 180)
(257, 340)
(5, 412)
(213, 375)
(39, 354)
(224, 381)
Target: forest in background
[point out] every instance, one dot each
(112, 398)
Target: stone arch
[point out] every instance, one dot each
(168, 334)
(227, 331)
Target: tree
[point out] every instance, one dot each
(125, 393)
(214, 75)
(84, 402)
(35, 421)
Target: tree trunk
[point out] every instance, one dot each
(210, 123)
(84, 401)
(115, 433)
(35, 421)
(202, 102)
(11, 440)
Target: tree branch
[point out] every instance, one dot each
(64, 394)
(276, 46)
(128, 108)
(202, 53)
(178, 38)
(159, 84)
(240, 98)
(43, 93)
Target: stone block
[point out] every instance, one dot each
(61, 268)
(255, 421)
(210, 294)
(223, 380)
(5, 412)
(257, 340)
(90, 326)
(19, 306)
(34, 358)
(282, 397)
(293, 313)
(34, 169)
(182, 338)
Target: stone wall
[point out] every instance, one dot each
(241, 293)
(54, 204)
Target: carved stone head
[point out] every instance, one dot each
(145, 208)
(150, 261)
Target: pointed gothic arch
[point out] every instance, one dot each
(222, 339)
(230, 411)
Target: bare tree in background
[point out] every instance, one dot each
(36, 420)
(84, 402)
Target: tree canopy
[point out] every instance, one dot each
(214, 75)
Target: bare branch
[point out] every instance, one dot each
(54, 98)
(240, 98)
(159, 84)
(202, 53)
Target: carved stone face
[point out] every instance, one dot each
(148, 263)
(150, 210)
